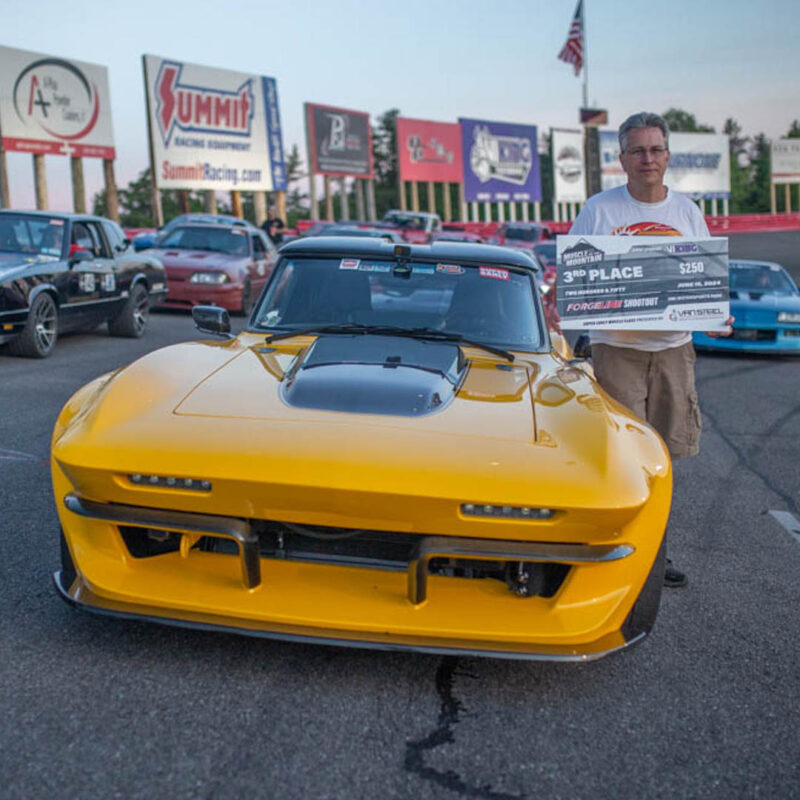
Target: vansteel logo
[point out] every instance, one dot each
(200, 109)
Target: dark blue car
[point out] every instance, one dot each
(765, 303)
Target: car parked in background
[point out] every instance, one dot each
(765, 305)
(416, 227)
(458, 236)
(215, 264)
(523, 235)
(151, 238)
(369, 233)
(62, 272)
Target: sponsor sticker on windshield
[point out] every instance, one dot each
(349, 263)
(239, 233)
(450, 269)
(493, 272)
(374, 267)
(56, 221)
(423, 270)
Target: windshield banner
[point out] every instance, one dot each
(786, 161)
(428, 151)
(618, 283)
(54, 106)
(340, 141)
(699, 164)
(569, 179)
(213, 128)
(500, 162)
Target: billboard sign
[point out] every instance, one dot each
(786, 161)
(500, 161)
(569, 172)
(340, 141)
(699, 164)
(54, 106)
(213, 128)
(428, 151)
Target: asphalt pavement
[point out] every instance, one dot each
(706, 707)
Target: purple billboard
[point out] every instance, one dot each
(500, 162)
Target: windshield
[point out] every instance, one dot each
(488, 304)
(214, 239)
(523, 234)
(32, 235)
(760, 278)
(406, 221)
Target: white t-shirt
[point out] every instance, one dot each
(615, 212)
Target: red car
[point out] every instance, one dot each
(218, 265)
(523, 235)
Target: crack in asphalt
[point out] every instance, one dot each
(442, 734)
(745, 460)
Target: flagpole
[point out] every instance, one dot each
(585, 57)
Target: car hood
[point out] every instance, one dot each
(535, 431)
(196, 259)
(12, 265)
(755, 301)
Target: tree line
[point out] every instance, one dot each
(749, 156)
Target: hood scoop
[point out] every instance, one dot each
(366, 374)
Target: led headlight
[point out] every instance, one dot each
(170, 482)
(789, 316)
(505, 512)
(209, 277)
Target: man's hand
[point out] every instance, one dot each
(720, 334)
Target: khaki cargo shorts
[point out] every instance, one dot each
(658, 387)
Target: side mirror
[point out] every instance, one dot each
(212, 319)
(78, 255)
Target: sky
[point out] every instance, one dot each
(435, 60)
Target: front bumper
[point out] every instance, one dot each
(786, 341)
(183, 294)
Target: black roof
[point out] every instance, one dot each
(441, 251)
(50, 214)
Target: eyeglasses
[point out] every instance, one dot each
(640, 152)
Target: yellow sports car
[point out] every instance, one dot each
(393, 454)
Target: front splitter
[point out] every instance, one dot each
(81, 596)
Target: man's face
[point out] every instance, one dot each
(644, 161)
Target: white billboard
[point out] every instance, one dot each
(699, 164)
(54, 105)
(569, 173)
(786, 161)
(213, 128)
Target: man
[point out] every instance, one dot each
(273, 226)
(650, 372)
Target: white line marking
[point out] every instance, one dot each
(17, 455)
(788, 521)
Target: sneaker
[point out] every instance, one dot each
(673, 577)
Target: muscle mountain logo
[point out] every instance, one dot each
(201, 109)
(581, 255)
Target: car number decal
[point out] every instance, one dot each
(349, 263)
(109, 282)
(87, 282)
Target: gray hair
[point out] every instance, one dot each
(644, 119)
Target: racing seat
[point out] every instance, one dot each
(478, 310)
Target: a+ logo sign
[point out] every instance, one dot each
(41, 102)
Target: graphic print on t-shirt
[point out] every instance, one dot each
(646, 229)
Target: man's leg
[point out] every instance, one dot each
(622, 373)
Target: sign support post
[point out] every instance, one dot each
(112, 198)
(5, 198)
(210, 201)
(358, 186)
(462, 203)
(414, 196)
(525, 212)
(448, 210)
(236, 203)
(431, 198)
(371, 207)
(78, 185)
(260, 207)
(40, 182)
(344, 204)
(402, 194)
(326, 183)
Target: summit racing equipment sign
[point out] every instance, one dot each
(620, 283)
(54, 105)
(339, 140)
(428, 151)
(213, 128)
(500, 161)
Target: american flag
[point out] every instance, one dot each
(572, 52)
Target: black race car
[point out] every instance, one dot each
(62, 272)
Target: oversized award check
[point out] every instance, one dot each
(623, 283)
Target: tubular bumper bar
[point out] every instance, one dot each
(428, 548)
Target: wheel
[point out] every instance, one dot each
(645, 609)
(38, 337)
(68, 573)
(132, 320)
(247, 300)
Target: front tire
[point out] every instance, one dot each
(131, 322)
(645, 609)
(38, 337)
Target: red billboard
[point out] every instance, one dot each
(429, 151)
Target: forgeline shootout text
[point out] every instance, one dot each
(208, 172)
